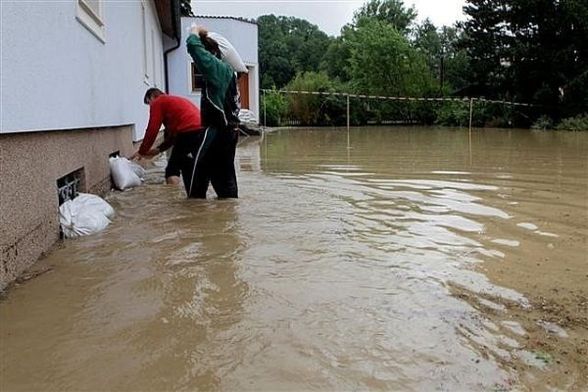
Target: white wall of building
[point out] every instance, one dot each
(242, 35)
(56, 74)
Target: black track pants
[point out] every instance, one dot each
(208, 157)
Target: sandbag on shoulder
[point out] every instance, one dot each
(229, 53)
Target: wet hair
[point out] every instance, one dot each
(151, 93)
(210, 44)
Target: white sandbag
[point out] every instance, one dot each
(247, 116)
(137, 169)
(228, 53)
(126, 174)
(96, 203)
(86, 214)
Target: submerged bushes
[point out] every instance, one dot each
(274, 106)
(577, 123)
(543, 123)
(326, 109)
(453, 114)
(315, 109)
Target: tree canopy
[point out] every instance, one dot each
(532, 51)
(391, 12)
(288, 46)
(384, 62)
(529, 50)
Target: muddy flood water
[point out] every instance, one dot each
(398, 259)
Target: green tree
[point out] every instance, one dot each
(550, 54)
(530, 50)
(383, 62)
(288, 46)
(575, 53)
(392, 12)
(455, 62)
(485, 41)
(335, 61)
(428, 42)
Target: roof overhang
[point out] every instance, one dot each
(168, 12)
(238, 19)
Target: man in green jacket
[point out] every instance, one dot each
(219, 108)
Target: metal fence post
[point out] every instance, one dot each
(471, 112)
(470, 129)
(348, 119)
(264, 111)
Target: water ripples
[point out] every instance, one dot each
(339, 270)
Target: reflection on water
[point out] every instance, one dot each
(334, 271)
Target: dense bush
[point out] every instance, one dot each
(316, 109)
(493, 115)
(453, 114)
(543, 123)
(578, 123)
(274, 107)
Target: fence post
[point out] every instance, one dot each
(264, 111)
(470, 130)
(471, 112)
(348, 120)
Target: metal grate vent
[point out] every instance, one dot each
(69, 185)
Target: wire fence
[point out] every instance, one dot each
(288, 107)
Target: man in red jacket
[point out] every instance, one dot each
(181, 119)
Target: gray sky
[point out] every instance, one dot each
(329, 15)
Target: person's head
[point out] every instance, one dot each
(151, 94)
(210, 44)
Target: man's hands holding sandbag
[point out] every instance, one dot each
(198, 30)
(148, 155)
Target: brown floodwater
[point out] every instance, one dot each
(411, 259)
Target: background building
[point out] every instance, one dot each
(185, 80)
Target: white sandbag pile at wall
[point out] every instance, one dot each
(247, 116)
(249, 125)
(229, 53)
(86, 214)
(126, 174)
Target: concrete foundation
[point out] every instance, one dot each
(30, 165)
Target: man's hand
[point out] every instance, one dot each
(198, 30)
(149, 154)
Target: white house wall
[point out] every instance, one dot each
(241, 34)
(57, 75)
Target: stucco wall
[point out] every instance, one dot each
(57, 75)
(31, 163)
(241, 34)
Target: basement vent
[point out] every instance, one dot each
(70, 185)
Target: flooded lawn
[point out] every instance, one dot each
(383, 259)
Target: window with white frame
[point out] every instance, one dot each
(89, 14)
